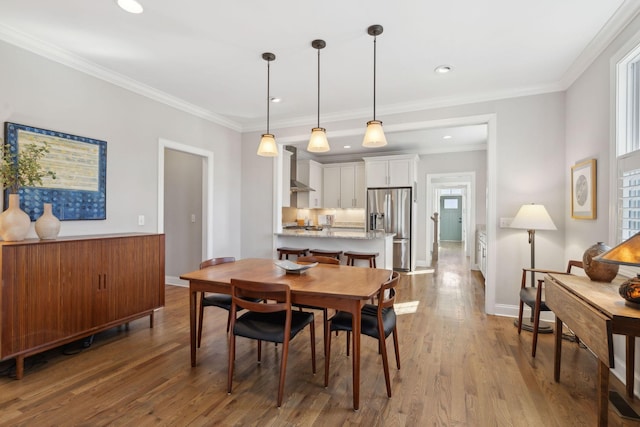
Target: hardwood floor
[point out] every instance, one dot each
(460, 367)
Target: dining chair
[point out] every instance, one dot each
(214, 300)
(378, 321)
(321, 259)
(272, 321)
(533, 296)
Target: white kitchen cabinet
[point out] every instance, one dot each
(310, 173)
(286, 178)
(390, 171)
(343, 185)
(481, 251)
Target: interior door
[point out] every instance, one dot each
(451, 218)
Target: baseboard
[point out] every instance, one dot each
(174, 280)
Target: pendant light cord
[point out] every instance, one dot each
(268, 93)
(374, 77)
(318, 87)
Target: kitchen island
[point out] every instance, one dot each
(338, 240)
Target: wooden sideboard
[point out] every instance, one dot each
(594, 311)
(58, 291)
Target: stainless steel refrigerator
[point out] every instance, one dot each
(389, 209)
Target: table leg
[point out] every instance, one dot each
(631, 359)
(356, 323)
(603, 393)
(558, 355)
(192, 324)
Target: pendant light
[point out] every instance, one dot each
(374, 135)
(268, 146)
(318, 142)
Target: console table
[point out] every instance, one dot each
(594, 311)
(58, 291)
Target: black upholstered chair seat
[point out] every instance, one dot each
(221, 300)
(529, 296)
(369, 325)
(270, 326)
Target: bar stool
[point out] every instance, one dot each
(292, 251)
(367, 256)
(324, 252)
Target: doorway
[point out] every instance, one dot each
(185, 207)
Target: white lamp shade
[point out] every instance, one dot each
(318, 142)
(533, 217)
(374, 136)
(268, 146)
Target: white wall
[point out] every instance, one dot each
(38, 92)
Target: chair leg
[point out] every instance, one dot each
(312, 333)
(283, 369)
(325, 323)
(520, 316)
(348, 341)
(259, 351)
(228, 320)
(232, 357)
(385, 360)
(396, 347)
(536, 324)
(327, 356)
(201, 314)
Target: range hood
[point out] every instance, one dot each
(296, 186)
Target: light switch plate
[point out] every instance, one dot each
(140, 219)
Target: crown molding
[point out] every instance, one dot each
(627, 12)
(64, 57)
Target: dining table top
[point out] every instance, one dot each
(346, 282)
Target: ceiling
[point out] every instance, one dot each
(205, 57)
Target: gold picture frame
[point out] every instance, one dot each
(583, 190)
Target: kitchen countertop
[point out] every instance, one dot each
(337, 234)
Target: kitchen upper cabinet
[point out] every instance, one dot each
(310, 173)
(286, 178)
(390, 171)
(343, 185)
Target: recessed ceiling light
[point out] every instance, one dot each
(275, 99)
(131, 6)
(443, 69)
(447, 137)
(347, 146)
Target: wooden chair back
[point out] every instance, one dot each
(319, 259)
(249, 295)
(215, 261)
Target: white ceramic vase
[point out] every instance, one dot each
(14, 222)
(47, 226)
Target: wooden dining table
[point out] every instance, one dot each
(340, 287)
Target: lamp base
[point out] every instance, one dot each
(527, 325)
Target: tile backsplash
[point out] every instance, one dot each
(343, 217)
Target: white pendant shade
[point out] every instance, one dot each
(533, 217)
(318, 142)
(268, 146)
(374, 135)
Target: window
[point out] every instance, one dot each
(628, 146)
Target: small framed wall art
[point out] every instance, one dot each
(80, 164)
(583, 190)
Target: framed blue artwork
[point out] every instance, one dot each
(79, 191)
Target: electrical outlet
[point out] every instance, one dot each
(505, 222)
(193, 217)
(140, 219)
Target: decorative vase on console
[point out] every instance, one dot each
(598, 271)
(20, 168)
(14, 222)
(47, 226)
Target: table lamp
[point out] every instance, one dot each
(626, 253)
(532, 217)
